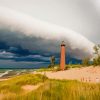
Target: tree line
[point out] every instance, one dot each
(95, 60)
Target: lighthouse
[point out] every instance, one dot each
(62, 56)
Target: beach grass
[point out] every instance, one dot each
(14, 84)
(66, 90)
(50, 90)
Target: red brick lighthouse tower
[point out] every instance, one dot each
(62, 58)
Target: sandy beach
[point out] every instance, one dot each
(84, 74)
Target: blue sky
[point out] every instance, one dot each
(31, 31)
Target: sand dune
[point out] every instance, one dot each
(85, 74)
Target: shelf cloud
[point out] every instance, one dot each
(23, 35)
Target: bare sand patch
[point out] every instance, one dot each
(1, 96)
(4, 79)
(29, 88)
(84, 74)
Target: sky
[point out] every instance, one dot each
(32, 30)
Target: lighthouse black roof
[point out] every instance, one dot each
(63, 43)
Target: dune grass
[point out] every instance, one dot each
(65, 90)
(50, 90)
(14, 84)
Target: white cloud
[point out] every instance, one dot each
(96, 4)
(82, 16)
(4, 54)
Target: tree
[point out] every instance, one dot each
(52, 60)
(96, 49)
(96, 60)
(86, 62)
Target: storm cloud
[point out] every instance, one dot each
(22, 35)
